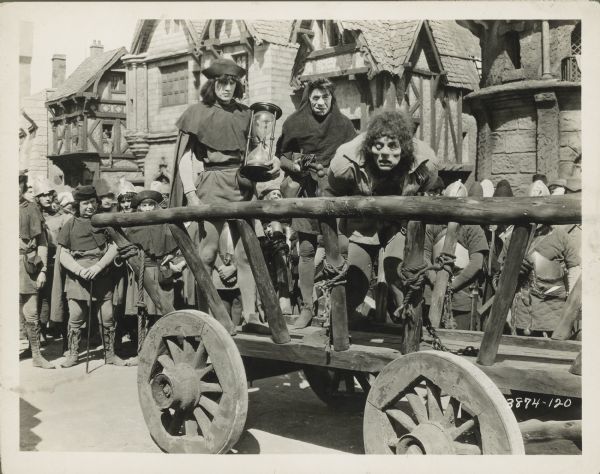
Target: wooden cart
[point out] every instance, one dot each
(194, 367)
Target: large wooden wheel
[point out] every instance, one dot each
(192, 384)
(339, 389)
(438, 403)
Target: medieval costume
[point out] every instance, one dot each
(32, 274)
(308, 136)
(158, 249)
(353, 172)
(87, 255)
(214, 132)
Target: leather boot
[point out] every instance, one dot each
(305, 317)
(109, 348)
(74, 336)
(33, 333)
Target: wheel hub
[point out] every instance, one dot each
(179, 389)
(426, 438)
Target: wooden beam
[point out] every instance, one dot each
(264, 285)
(203, 278)
(451, 123)
(537, 430)
(441, 279)
(433, 92)
(459, 132)
(432, 209)
(505, 294)
(339, 316)
(339, 72)
(421, 102)
(576, 366)
(413, 258)
(333, 51)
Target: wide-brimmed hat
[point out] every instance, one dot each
(65, 198)
(41, 186)
(456, 189)
(83, 193)
(146, 194)
(223, 66)
(538, 188)
(503, 189)
(488, 188)
(475, 190)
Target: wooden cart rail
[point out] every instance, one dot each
(429, 209)
(521, 212)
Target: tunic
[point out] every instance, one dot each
(32, 234)
(349, 175)
(157, 242)
(87, 245)
(540, 299)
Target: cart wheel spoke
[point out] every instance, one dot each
(417, 406)
(191, 428)
(188, 350)
(451, 412)
(176, 352)
(434, 409)
(462, 429)
(464, 448)
(200, 356)
(203, 421)
(210, 387)
(405, 421)
(204, 371)
(210, 405)
(166, 361)
(363, 381)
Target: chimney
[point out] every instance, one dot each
(59, 70)
(96, 48)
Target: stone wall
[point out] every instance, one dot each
(570, 132)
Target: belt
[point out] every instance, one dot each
(221, 166)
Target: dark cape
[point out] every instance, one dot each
(304, 133)
(156, 240)
(221, 129)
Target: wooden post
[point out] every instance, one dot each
(576, 366)
(204, 280)
(442, 277)
(267, 293)
(381, 291)
(413, 258)
(151, 287)
(564, 329)
(505, 295)
(339, 312)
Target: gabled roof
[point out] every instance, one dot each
(391, 42)
(456, 45)
(86, 73)
(145, 28)
(271, 31)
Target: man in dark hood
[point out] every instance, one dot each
(309, 139)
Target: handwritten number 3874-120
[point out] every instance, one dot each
(526, 402)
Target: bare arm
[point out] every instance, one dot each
(67, 261)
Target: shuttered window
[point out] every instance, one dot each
(174, 84)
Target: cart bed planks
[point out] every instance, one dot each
(371, 352)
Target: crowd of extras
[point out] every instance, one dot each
(75, 279)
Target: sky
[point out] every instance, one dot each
(59, 34)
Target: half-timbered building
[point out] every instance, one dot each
(424, 67)
(88, 111)
(164, 78)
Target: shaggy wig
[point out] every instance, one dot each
(321, 83)
(396, 125)
(208, 94)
